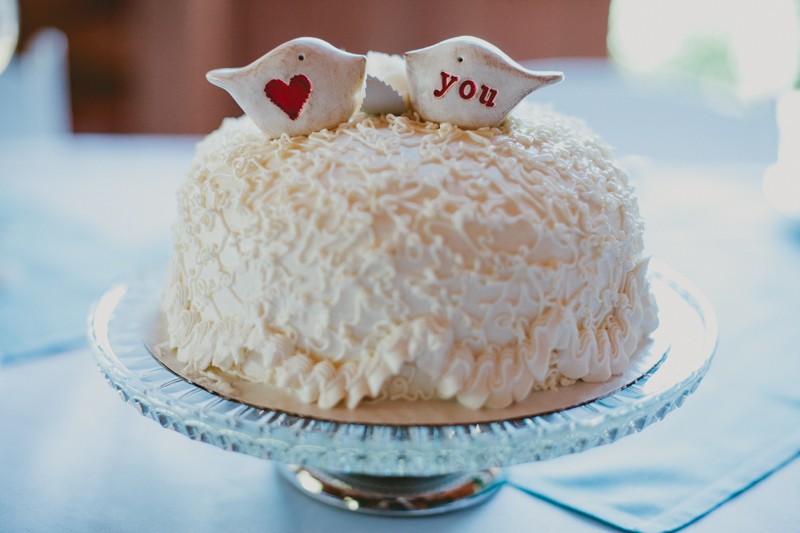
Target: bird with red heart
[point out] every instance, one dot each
(302, 86)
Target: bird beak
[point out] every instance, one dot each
(222, 77)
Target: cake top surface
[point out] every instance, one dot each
(538, 165)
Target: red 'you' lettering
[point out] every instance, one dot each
(487, 96)
(447, 82)
(467, 89)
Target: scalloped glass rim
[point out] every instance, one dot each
(116, 334)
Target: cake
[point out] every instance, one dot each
(394, 258)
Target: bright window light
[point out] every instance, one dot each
(751, 46)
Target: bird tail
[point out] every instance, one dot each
(543, 79)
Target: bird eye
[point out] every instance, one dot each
(460, 59)
(301, 57)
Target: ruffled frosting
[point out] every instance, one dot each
(393, 258)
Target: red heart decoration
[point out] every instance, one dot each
(289, 98)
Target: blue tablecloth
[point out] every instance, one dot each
(75, 215)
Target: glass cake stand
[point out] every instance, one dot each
(398, 469)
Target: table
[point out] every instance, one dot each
(75, 457)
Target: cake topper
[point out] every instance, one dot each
(469, 82)
(301, 86)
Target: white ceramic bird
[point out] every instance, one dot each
(469, 82)
(301, 86)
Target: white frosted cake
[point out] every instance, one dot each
(392, 258)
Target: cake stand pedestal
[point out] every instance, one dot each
(399, 469)
(396, 495)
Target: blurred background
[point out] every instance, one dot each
(137, 66)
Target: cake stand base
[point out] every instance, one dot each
(396, 495)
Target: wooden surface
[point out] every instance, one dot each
(139, 65)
